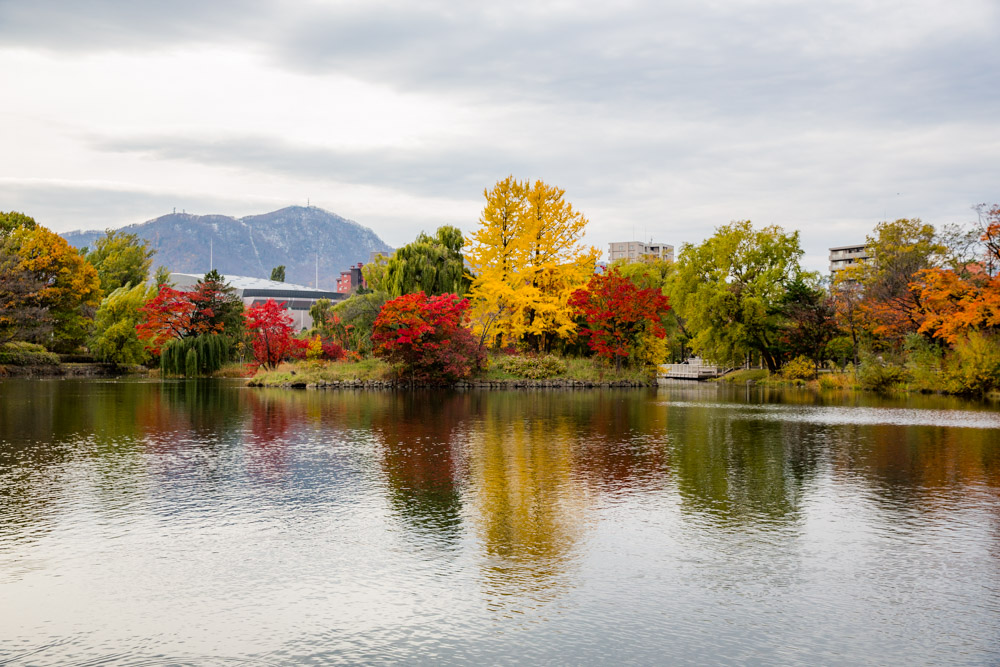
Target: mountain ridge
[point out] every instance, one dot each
(296, 236)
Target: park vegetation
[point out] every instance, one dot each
(522, 296)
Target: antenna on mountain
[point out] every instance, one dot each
(307, 203)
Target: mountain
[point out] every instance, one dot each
(253, 245)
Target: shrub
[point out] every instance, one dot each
(323, 348)
(19, 353)
(836, 381)
(878, 375)
(924, 359)
(534, 368)
(425, 337)
(799, 368)
(745, 376)
(973, 367)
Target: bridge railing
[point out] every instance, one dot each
(692, 371)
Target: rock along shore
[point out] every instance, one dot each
(466, 384)
(61, 370)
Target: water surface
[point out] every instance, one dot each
(207, 523)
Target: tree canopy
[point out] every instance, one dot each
(730, 289)
(120, 258)
(70, 287)
(11, 220)
(527, 257)
(115, 338)
(430, 264)
(898, 249)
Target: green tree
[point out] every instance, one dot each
(352, 321)
(430, 264)
(162, 277)
(810, 319)
(115, 339)
(278, 273)
(120, 258)
(730, 288)
(11, 220)
(320, 313)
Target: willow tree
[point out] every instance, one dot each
(730, 291)
(115, 339)
(430, 264)
(528, 258)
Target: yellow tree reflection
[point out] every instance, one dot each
(527, 503)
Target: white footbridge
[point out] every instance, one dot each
(692, 369)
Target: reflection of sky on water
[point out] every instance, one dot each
(201, 521)
(852, 415)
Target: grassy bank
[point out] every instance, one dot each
(551, 367)
(500, 368)
(317, 372)
(867, 380)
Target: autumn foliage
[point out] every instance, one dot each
(270, 329)
(955, 304)
(618, 313)
(426, 336)
(171, 315)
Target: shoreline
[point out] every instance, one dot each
(552, 383)
(71, 369)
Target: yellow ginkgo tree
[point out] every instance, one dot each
(526, 259)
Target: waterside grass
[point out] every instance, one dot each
(500, 368)
(318, 372)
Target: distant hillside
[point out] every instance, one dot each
(253, 245)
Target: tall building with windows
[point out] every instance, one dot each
(350, 280)
(844, 256)
(635, 250)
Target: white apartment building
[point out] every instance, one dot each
(635, 250)
(844, 256)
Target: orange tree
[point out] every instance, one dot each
(618, 313)
(426, 336)
(68, 287)
(957, 303)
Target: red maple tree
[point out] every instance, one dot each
(270, 328)
(617, 312)
(427, 337)
(169, 315)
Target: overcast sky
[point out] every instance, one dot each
(659, 119)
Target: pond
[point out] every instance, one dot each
(207, 523)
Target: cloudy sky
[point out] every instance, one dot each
(660, 119)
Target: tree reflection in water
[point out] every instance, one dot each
(513, 481)
(526, 501)
(418, 453)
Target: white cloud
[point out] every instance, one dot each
(669, 118)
